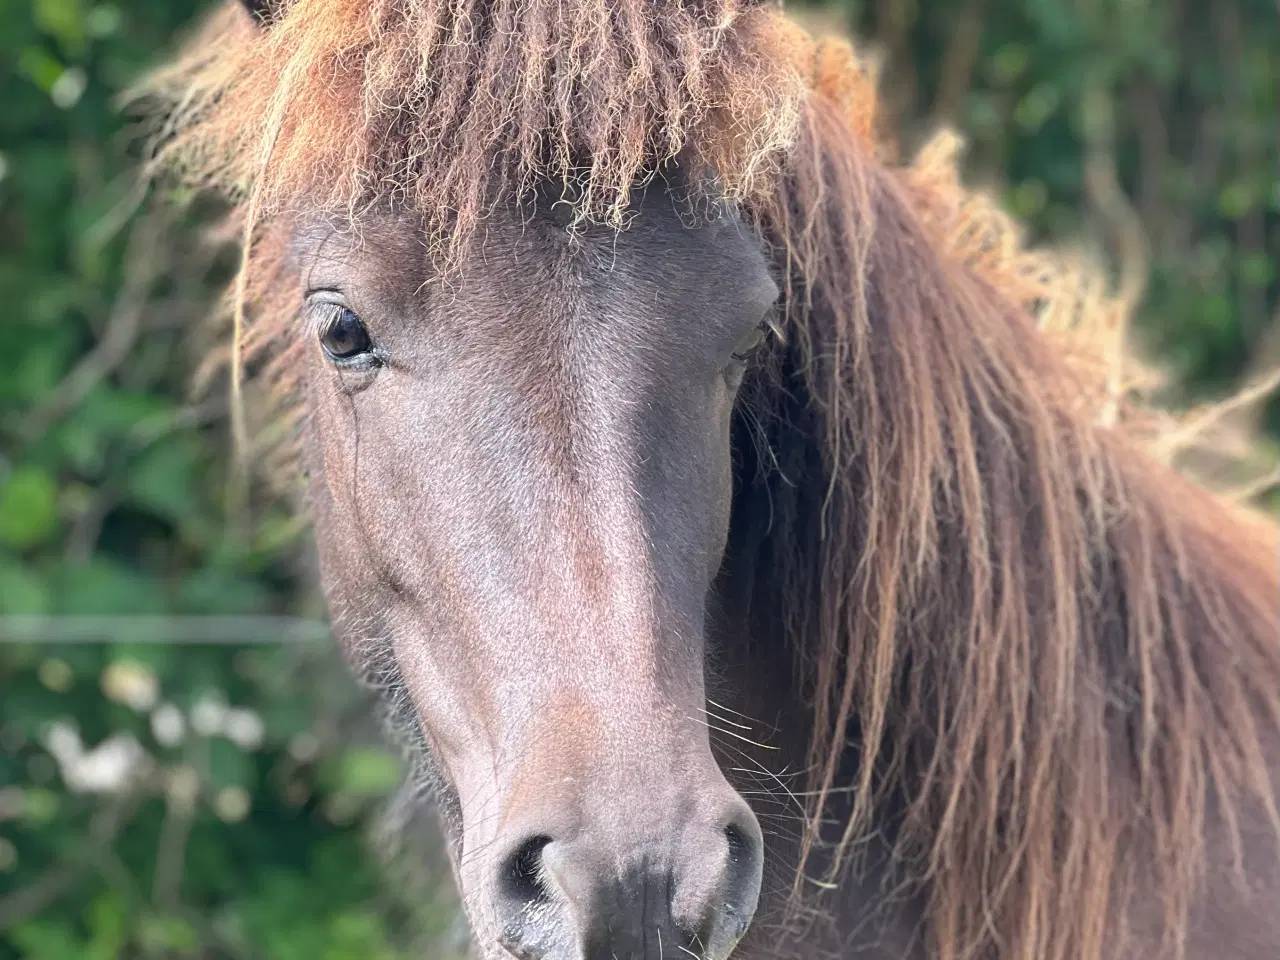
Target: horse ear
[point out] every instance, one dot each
(264, 11)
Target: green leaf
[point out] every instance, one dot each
(367, 772)
(164, 479)
(63, 20)
(40, 66)
(357, 935)
(1257, 270)
(22, 590)
(213, 590)
(162, 936)
(47, 939)
(28, 508)
(1009, 62)
(105, 587)
(39, 806)
(1236, 199)
(117, 413)
(106, 922)
(1037, 106)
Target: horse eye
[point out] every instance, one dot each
(345, 336)
(750, 343)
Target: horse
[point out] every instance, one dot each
(743, 563)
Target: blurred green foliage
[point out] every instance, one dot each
(1147, 127)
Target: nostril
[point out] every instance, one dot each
(739, 843)
(521, 876)
(742, 883)
(526, 929)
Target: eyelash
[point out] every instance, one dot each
(323, 321)
(320, 315)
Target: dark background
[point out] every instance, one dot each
(1143, 129)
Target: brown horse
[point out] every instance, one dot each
(719, 524)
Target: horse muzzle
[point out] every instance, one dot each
(608, 888)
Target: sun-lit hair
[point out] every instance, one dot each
(452, 108)
(1054, 653)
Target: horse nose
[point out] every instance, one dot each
(587, 896)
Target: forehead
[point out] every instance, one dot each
(670, 257)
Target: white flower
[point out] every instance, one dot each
(62, 739)
(244, 728)
(208, 715)
(168, 725)
(108, 768)
(132, 684)
(68, 88)
(232, 804)
(56, 675)
(304, 746)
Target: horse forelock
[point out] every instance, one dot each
(1055, 654)
(451, 107)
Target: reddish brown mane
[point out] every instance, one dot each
(1058, 652)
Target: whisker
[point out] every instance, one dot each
(736, 736)
(723, 708)
(763, 769)
(740, 726)
(801, 793)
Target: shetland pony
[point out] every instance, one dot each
(745, 566)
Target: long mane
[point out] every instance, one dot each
(1052, 652)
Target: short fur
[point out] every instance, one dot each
(1057, 654)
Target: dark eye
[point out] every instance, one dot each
(345, 336)
(750, 343)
